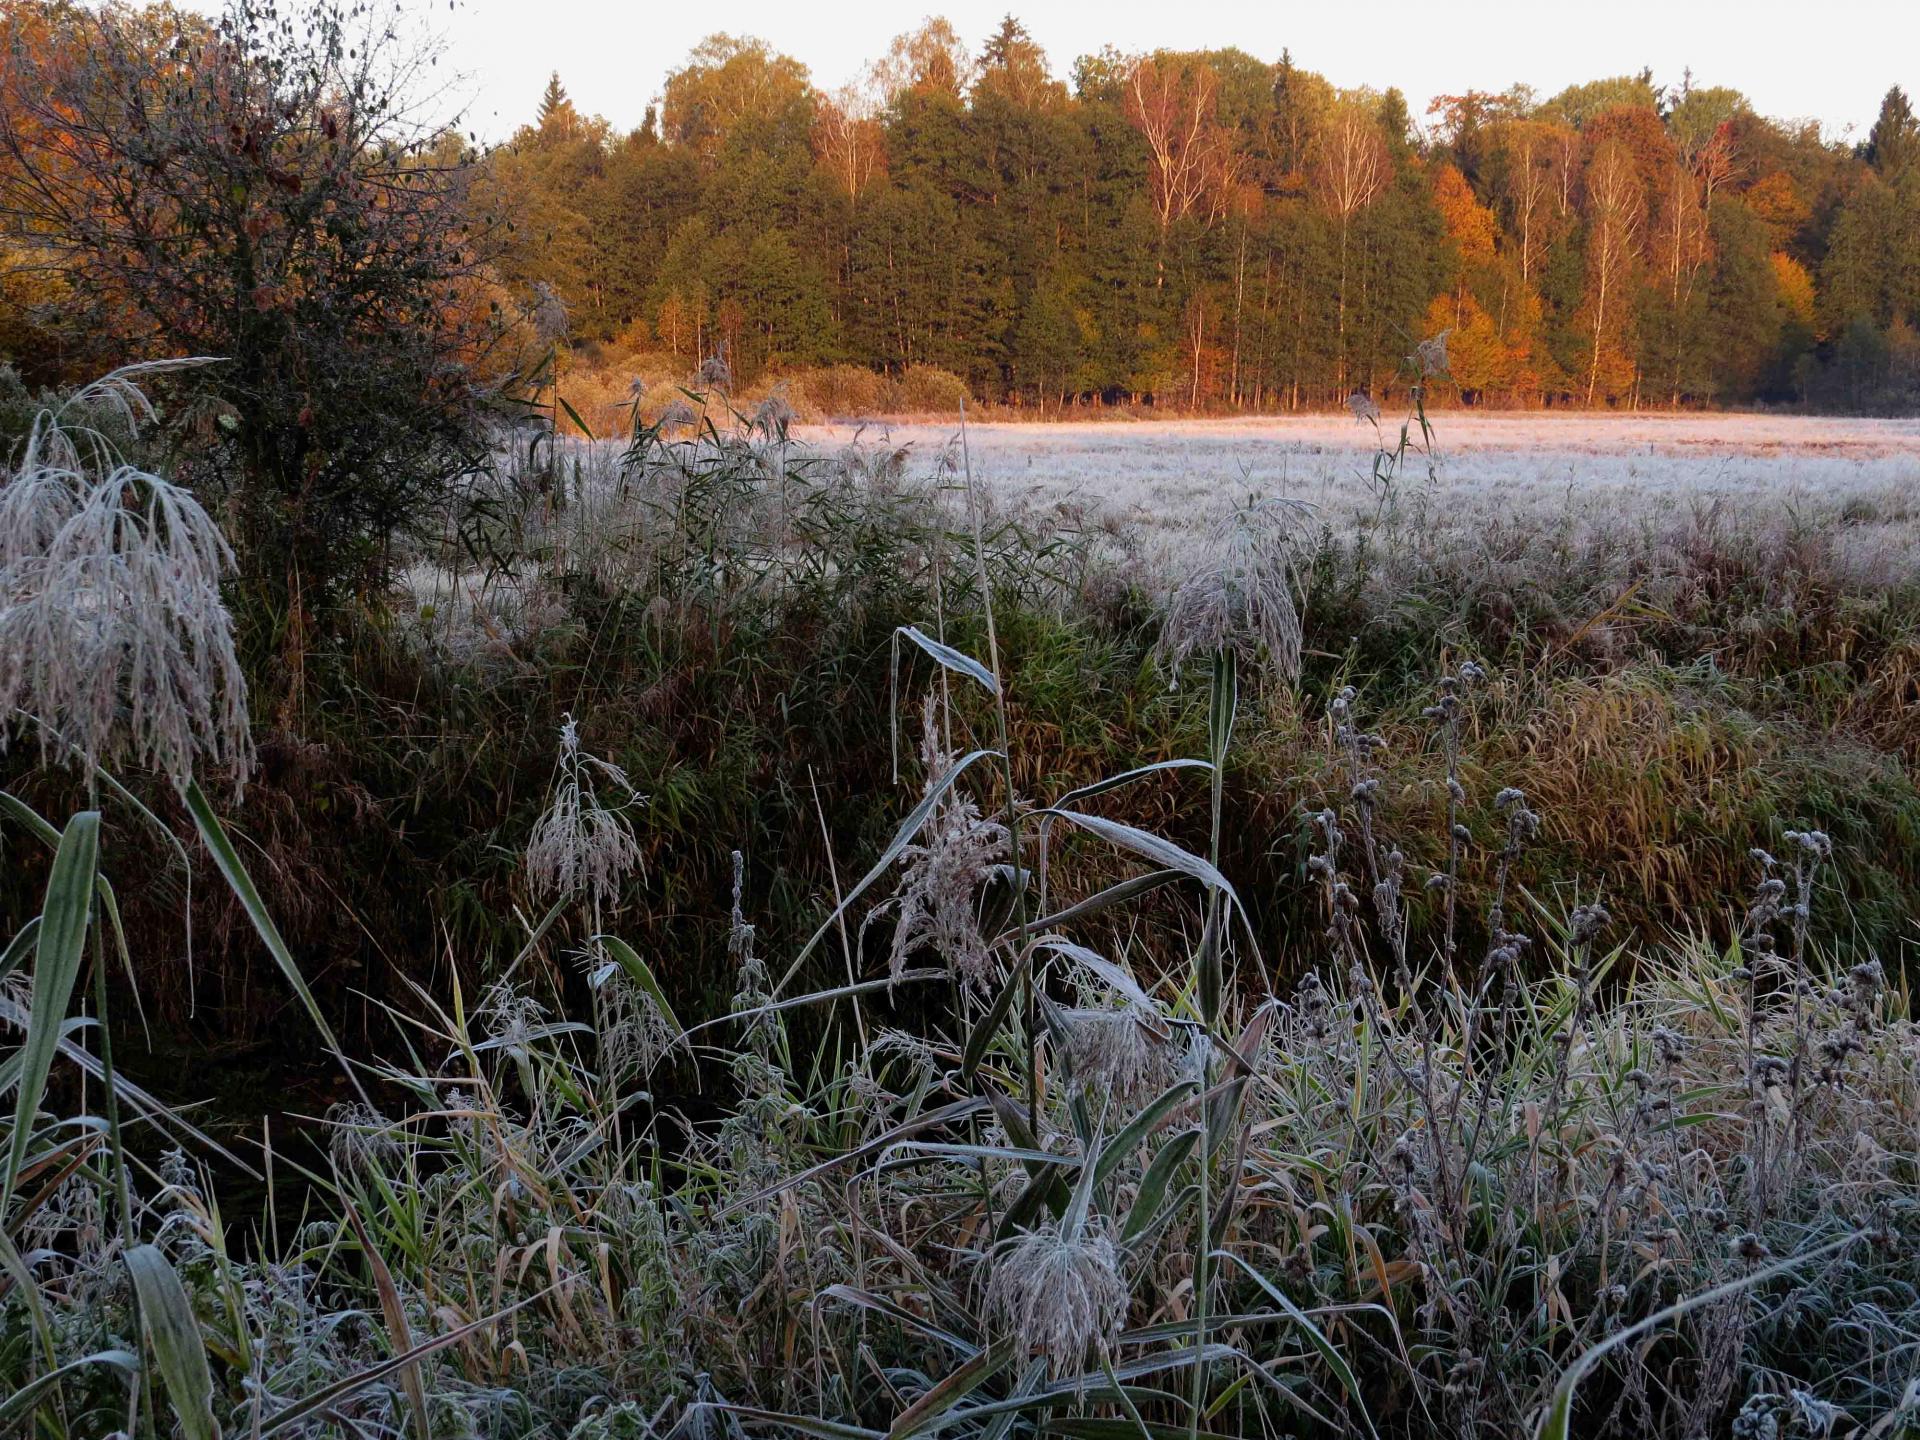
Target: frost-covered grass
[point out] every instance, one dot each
(1377, 1106)
(1581, 473)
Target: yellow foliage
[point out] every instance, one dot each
(1470, 224)
(1794, 286)
(1480, 361)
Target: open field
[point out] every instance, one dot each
(1586, 470)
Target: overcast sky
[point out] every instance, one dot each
(1831, 61)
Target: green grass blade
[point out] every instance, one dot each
(328, 1396)
(922, 1416)
(173, 1334)
(31, 819)
(1316, 1337)
(981, 1036)
(1163, 853)
(24, 814)
(1153, 1184)
(398, 1332)
(880, 1305)
(1106, 899)
(637, 970)
(59, 951)
(799, 1424)
(1557, 1419)
(1128, 1138)
(18, 947)
(574, 415)
(1127, 777)
(945, 1115)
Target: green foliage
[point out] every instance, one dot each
(1058, 249)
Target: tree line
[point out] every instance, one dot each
(1200, 230)
(1212, 230)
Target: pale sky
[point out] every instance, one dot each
(1831, 60)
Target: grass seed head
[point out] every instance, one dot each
(1061, 1296)
(114, 638)
(1239, 594)
(578, 843)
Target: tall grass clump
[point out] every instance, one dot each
(116, 647)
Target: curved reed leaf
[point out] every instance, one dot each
(949, 658)
(1557, 1419)
(173, 1332)
(58, 952)
(226, 859)
(628, 959)
(24, 1401)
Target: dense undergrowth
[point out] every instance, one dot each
(1413, 982)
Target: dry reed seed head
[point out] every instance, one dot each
(943, 872)
(716, 373)
(904, 1044)
(548, 314)
(1117, 1050)
(1238, 594)
(1362, 407)
(1430, 355)
(579, 844)
(678, 414)
(1061, 1296)
(773, 415)
(511, 1019)
(634, 1034)
(71, 1220)
(114, 638)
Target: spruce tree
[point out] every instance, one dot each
(1894, 142)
